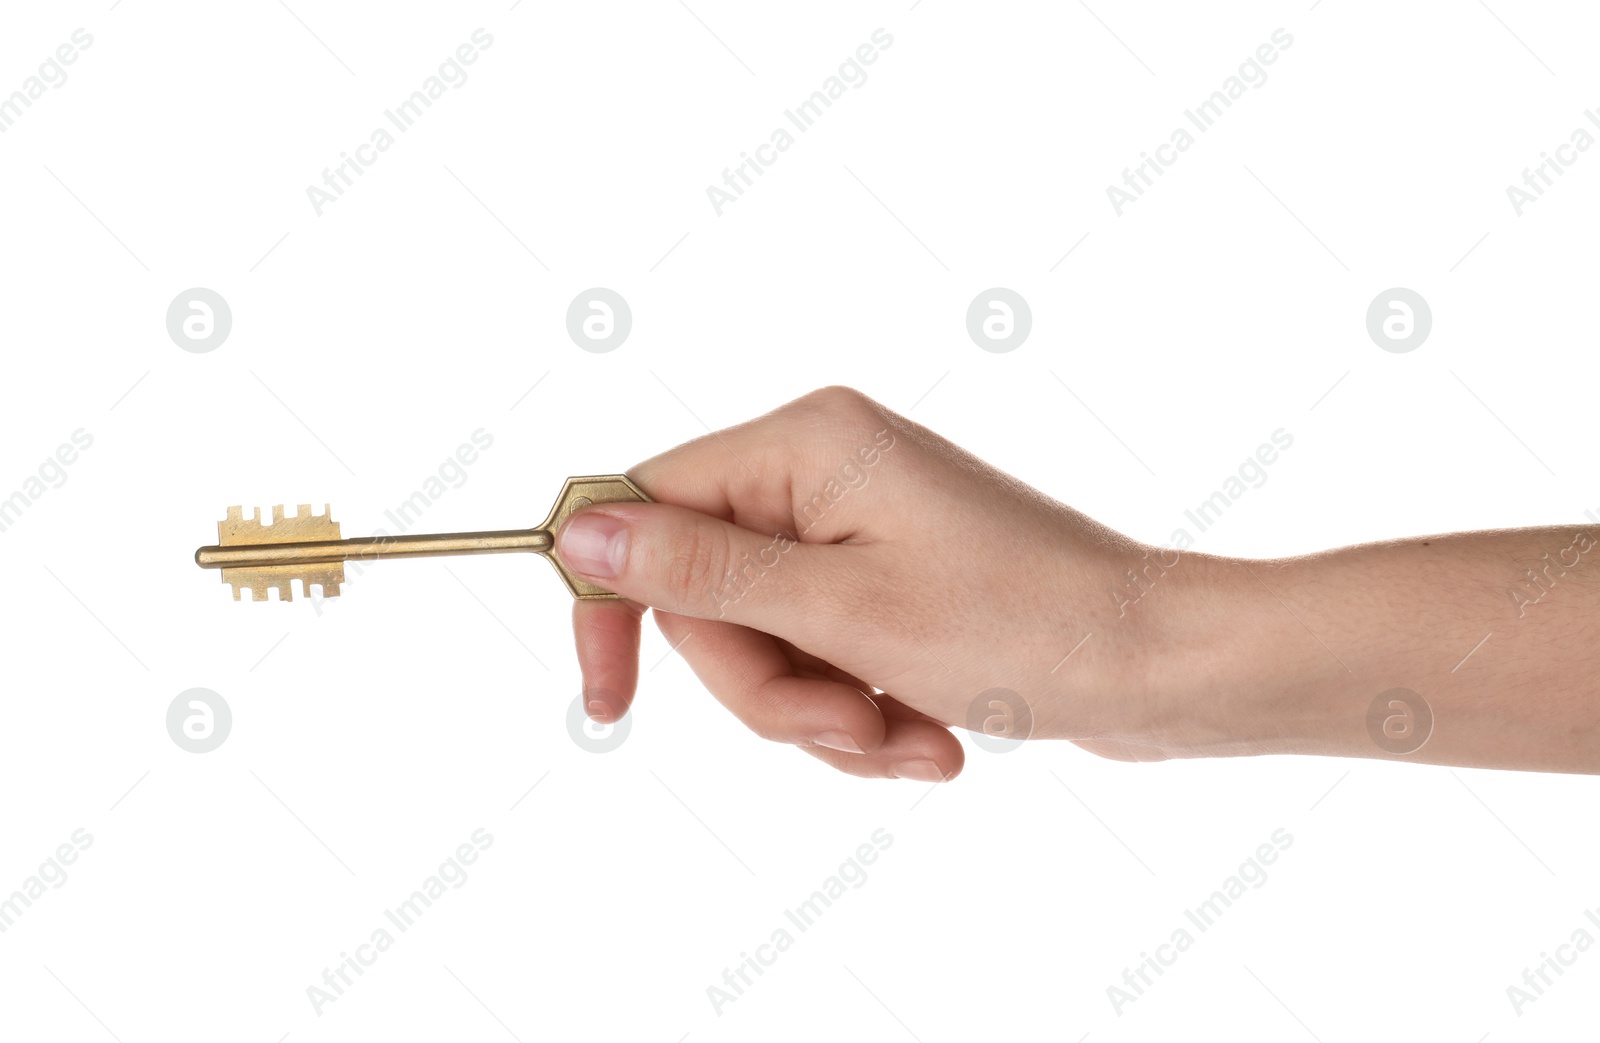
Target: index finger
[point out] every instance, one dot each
(759, 474)
(607, 636)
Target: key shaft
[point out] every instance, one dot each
(367, 547)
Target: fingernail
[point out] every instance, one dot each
(921, 771)
(837, 741)
(594, 544)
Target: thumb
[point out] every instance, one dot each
(692, 564)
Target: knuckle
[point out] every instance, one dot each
(696, 562)
(836, 400)
(835, 419)
(771, 713)
(764, 728)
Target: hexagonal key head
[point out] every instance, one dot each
(577, 494)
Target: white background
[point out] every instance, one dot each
(373, 733)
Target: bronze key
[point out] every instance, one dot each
(307, 547)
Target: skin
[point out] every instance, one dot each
(846, 581)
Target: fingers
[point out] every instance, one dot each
(718, 555)
(783, 471)
(749, 674)
(753, 676)
(807, 665)
(780, 692)
(689, 563)
(911, 749)
(895, 709)
(607, 635)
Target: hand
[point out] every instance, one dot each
(847, 581)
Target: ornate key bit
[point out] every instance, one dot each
(302, 527)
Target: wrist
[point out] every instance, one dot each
(1149, 659)
(1233, 664)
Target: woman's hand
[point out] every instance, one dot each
(847, 581)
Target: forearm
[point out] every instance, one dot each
(1494, 631)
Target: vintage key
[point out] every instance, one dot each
(307, 547)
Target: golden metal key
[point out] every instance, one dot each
(307, 547)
